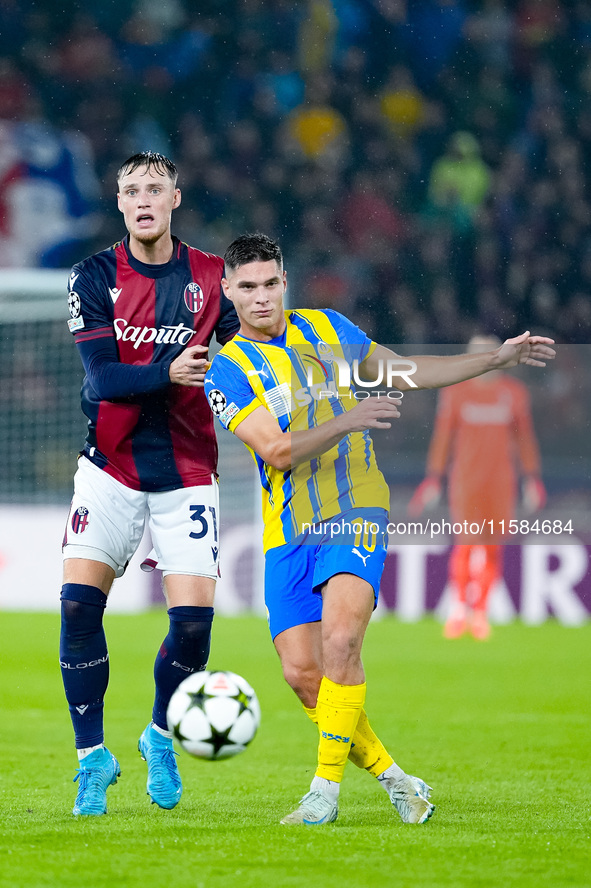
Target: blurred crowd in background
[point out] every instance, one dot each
(422, 164)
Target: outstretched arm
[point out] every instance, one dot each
(285, 450)
(436, 371)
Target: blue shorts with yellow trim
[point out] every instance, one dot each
(353, 542)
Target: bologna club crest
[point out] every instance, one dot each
(80, 519)
(193, 297)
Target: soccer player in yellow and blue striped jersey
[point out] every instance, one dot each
(276, 374)
(282, 387)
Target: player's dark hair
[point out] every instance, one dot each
(152, 160)
(256, 247)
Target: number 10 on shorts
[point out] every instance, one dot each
(365, 534)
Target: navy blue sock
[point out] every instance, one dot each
(184, 650)
(84, 660)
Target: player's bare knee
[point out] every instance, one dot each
(341, 646)
(304, 680)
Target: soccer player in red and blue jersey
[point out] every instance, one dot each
(142, 313)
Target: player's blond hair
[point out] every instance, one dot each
(151, 160)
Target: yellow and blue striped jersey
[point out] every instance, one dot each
(295, 378)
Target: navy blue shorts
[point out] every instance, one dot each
(353, 542)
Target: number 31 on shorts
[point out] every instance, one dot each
(203, 516)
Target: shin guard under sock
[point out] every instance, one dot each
(338, 709)
(367, 750)
(84, 660)
(184, 650)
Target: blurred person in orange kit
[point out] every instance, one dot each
(483, 441)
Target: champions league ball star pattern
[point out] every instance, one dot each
(73, 304)
(214, 715)
(217, 401)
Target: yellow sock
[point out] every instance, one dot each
(337, 711)
(311, 713)
(367, 751)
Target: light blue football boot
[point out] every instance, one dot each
(98, 770)
(164, 781)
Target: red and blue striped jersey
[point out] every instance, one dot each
(130, 321)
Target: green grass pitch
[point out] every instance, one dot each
(501, 730)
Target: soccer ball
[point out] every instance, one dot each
(214, 715)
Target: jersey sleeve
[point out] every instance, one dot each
(527, 444)
(88, 310)
(355, 343)
(229, 393)
(110, 378)
(228, 323)
(443, 433)
(91, 322)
